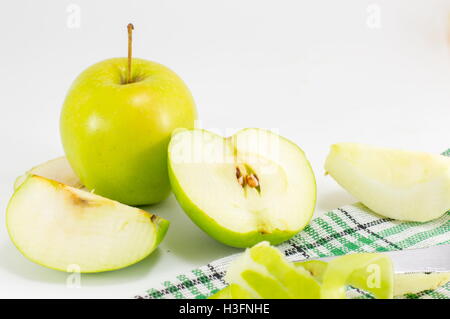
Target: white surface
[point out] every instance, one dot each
(319, 72)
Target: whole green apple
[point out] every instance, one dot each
(115, 132)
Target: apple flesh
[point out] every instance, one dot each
(61, 227)
(57, 169)
(412, 283)
(404, 185)
(244, 189)
(115, 134)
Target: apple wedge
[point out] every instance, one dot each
(404, 185)
(241, 190)
(58, 226)
(413, 283)
(57, 169)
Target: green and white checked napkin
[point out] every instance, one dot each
(352, 228)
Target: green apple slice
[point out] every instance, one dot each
(57, 169)
(58, 226)
(241, 190)
(402, 185)
(417, 282)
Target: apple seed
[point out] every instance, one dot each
(240, 172)
(252, 180)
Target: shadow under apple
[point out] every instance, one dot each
(15, 263)
(185, 239)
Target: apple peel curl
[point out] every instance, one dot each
(263, 272)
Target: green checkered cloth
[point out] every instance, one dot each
(349, 229)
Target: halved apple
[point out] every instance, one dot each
(57, 169)
(59, 226)
(250, 187)
(402, 185)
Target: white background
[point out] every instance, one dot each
(319, 72)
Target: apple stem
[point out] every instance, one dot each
(130, 29)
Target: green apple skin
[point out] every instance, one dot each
(220, 233)
(115, 135)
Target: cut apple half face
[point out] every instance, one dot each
(65, 228)
(57, 169)
(404, 185)
(250, 187)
